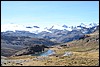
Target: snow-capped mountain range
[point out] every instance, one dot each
(37, 29)
(57, 33)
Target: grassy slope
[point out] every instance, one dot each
(85, 53)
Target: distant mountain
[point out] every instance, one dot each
(28, 27)
(14, 41)
(58, 33)
(36, 27)
(19, 33)
(65, 26)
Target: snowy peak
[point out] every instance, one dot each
(60, 27)
(20, 27)
(57, 27)
(28, 27)
(65, 26)
(89, 25)
(37, 29)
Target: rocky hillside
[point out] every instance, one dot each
(13, 44)
(87, 43)
(83, 52)
(31, 50)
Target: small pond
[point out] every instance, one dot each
(45, 53)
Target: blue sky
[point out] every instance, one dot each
(49, 12)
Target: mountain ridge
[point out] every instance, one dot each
(38, 29)
(54, 33)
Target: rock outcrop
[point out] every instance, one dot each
(31, 50)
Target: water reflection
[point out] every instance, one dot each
(45, 53)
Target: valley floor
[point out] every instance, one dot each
(77, 58)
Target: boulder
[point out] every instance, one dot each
(68, 54)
